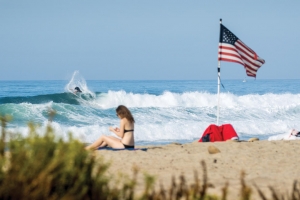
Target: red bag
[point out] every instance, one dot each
(214, 133)
(228, 132)
(211, 134)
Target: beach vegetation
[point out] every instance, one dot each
(42, 166)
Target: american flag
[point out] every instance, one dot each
(232, 49)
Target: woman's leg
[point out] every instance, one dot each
(97, 143)
(113, 142)
(104, 144)
(106, 140)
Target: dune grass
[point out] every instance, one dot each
(46, 167)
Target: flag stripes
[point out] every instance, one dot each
(232, 49)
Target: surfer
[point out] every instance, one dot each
(77, 89)
(125, 132)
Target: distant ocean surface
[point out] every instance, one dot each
(165, 111)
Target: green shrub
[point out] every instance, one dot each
(43, 167)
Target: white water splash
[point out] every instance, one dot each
(78, 81)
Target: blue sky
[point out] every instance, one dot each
(144, 40)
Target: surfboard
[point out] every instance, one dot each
(73, 92)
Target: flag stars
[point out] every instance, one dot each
(228, 37)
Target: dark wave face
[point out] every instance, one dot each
(67, 98)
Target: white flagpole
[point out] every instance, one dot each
(219, 76)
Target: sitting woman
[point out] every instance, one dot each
(125, 132)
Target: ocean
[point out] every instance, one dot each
(165, 111)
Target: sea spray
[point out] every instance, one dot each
(78, 81)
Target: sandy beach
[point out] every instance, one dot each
(265, 163)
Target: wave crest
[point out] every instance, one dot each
(196, 99)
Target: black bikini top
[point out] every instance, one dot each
(128, 130)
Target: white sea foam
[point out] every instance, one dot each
(168, 130)
(167, 99)
(171, 116)
(186, 115)
(196, 99)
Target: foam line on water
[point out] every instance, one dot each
(171, 130)
(167, 99)
(195, 99)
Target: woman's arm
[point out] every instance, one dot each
(117, 131)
